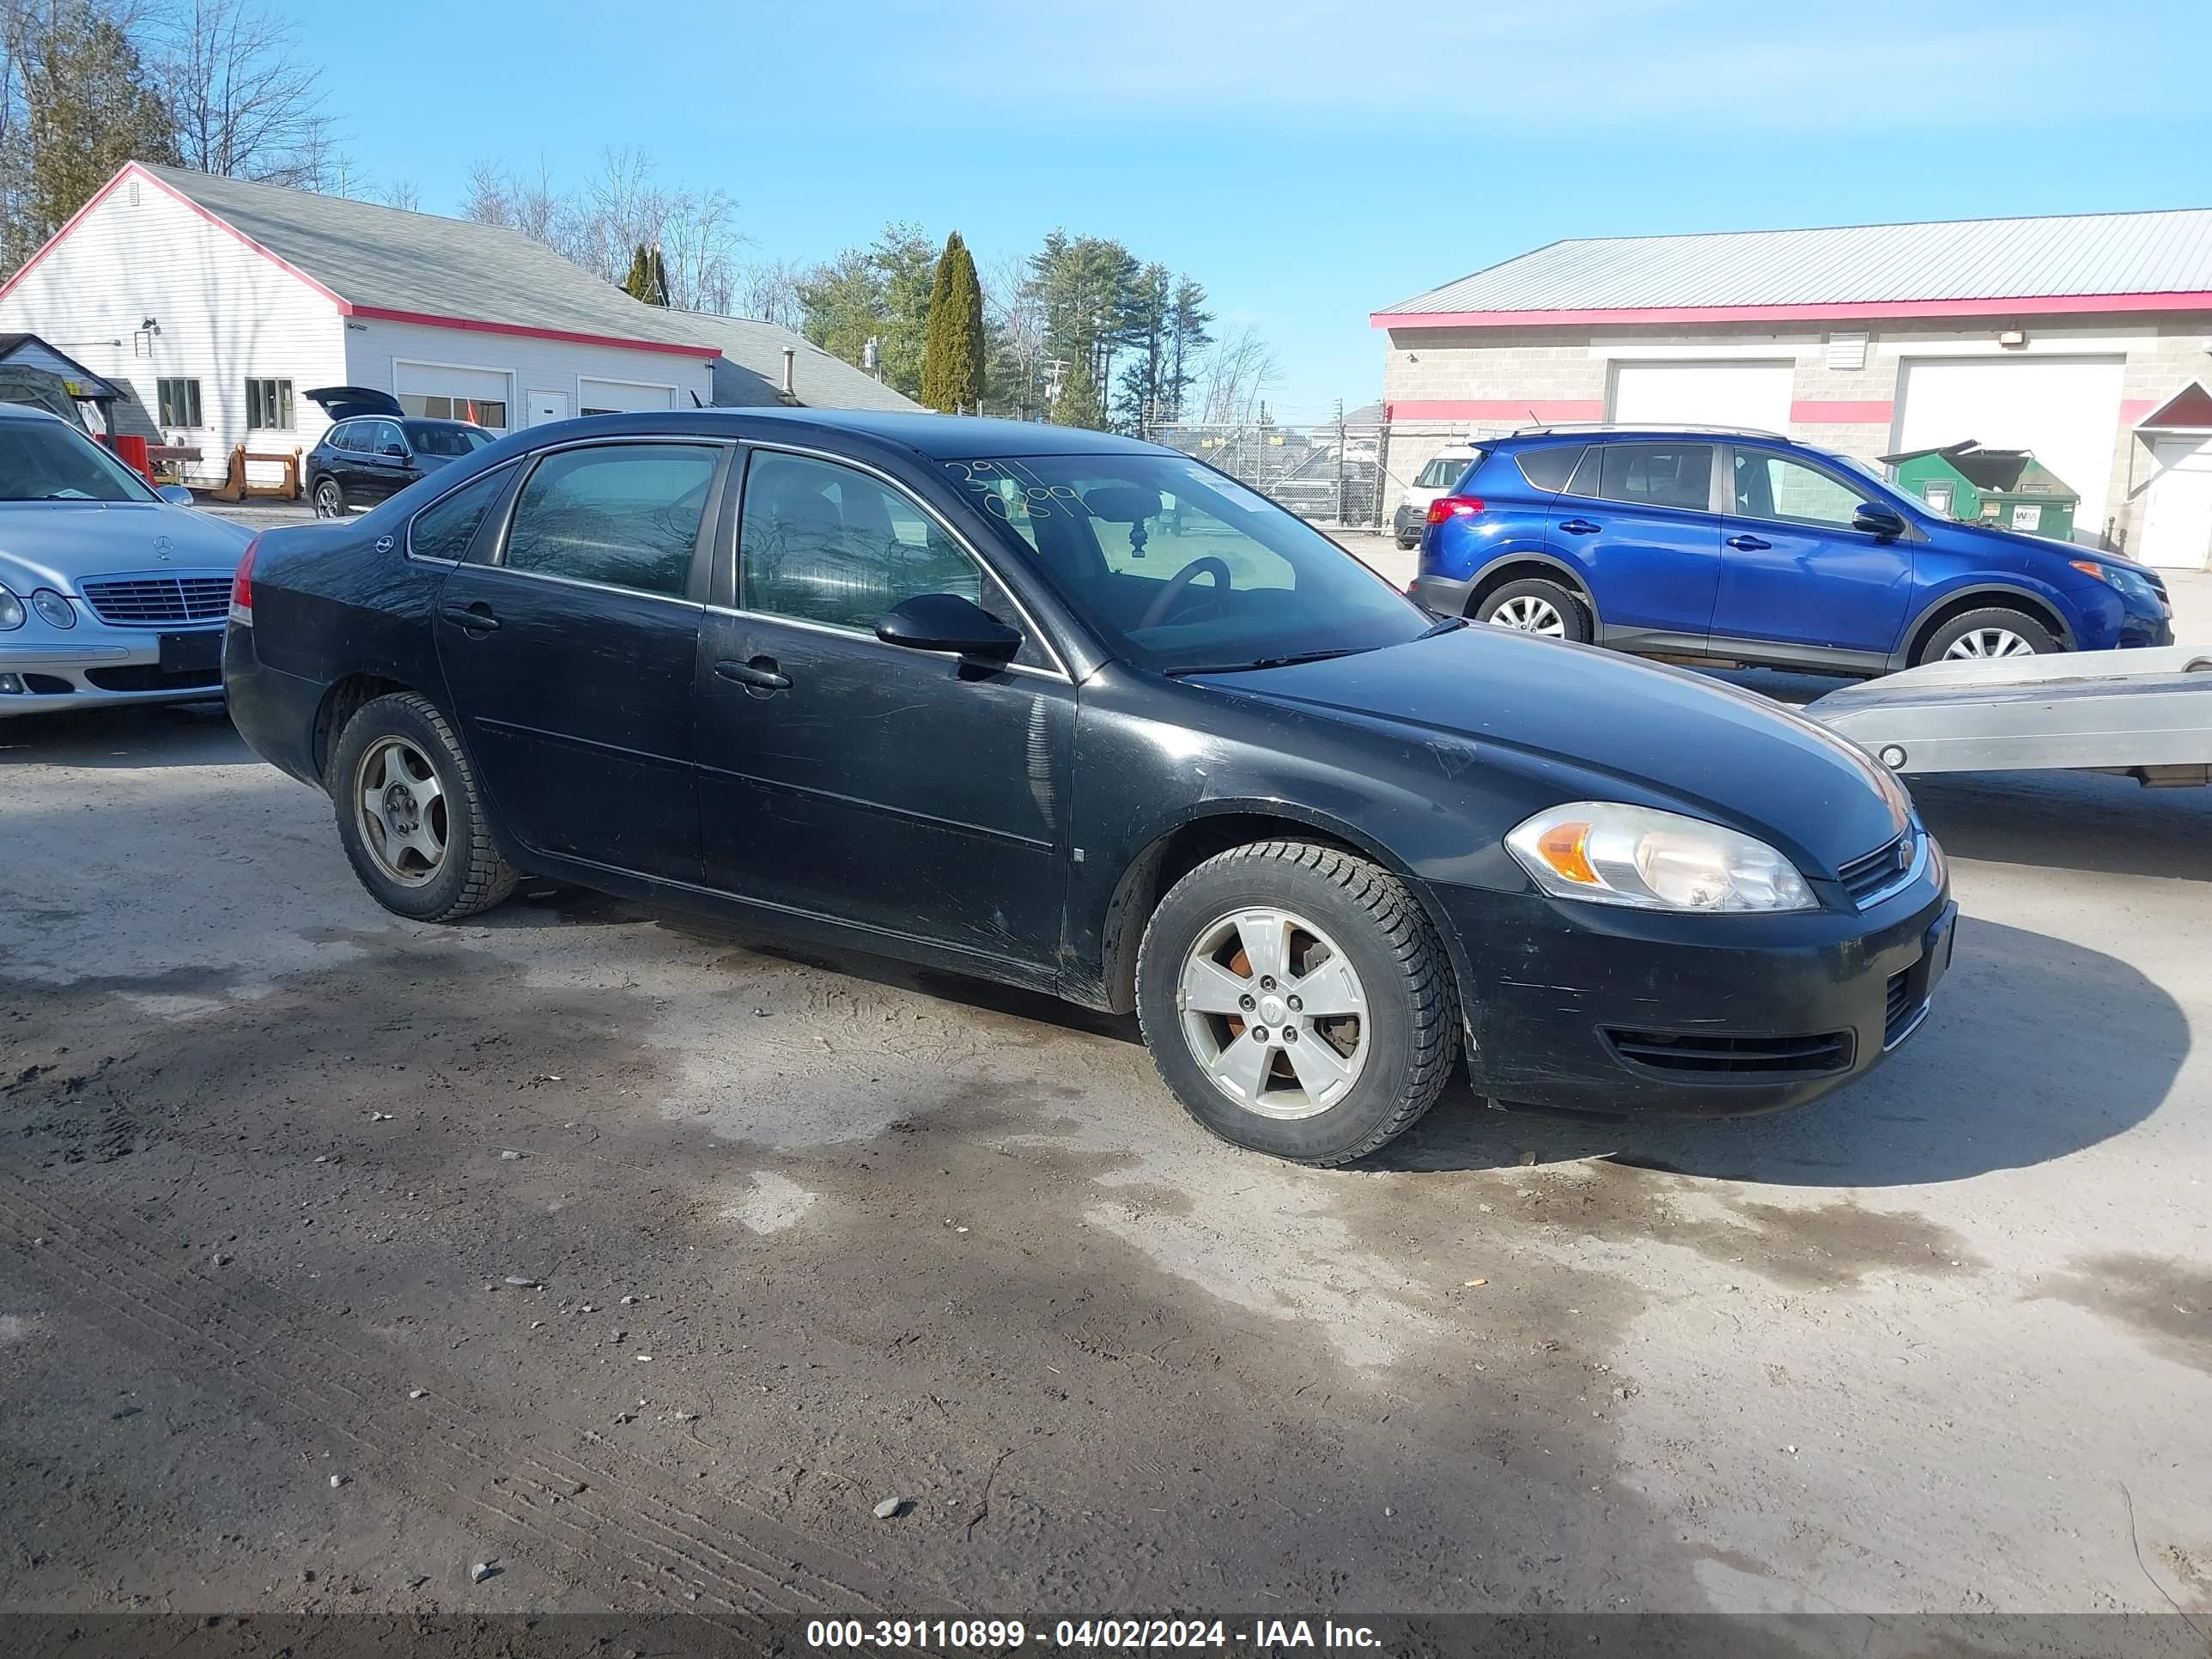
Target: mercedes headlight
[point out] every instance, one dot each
(54, 608)
(1608, 852)
(11, 611)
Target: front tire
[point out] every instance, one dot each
(1296, 1002)
(413, 822)
(1534, 605)
(1994, 631)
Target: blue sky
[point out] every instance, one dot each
(1308, 162)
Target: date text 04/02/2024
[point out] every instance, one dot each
(989, 1635)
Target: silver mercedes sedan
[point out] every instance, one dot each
(111, 590)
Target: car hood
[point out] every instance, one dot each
(57, 544)
(1706, 747)
(1992, 535)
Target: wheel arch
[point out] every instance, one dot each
(341, 701)
(1526, 563)
(1214, 828)
(1981, 596)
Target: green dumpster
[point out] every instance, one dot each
(2009, 488)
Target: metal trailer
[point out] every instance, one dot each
(2145, 715)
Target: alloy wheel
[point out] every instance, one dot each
(401, 808)
(1527, 614)
(1275, 1013)
(328, 501)
(1988, 642)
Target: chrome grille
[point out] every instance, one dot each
(1865, 878)
(159, 601)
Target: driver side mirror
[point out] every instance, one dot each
(1881, 522)
(175, 494)
(945, 621)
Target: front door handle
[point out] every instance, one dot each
(475, 619)
(1750, 544)
(1580, 527)
(760, 673)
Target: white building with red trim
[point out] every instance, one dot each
(2084, 339)
(222, 302)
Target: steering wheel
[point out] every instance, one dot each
(1179, 584)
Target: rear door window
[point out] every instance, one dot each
(1658, 475)
(622, 515)
(342, 436)
(1549, 468)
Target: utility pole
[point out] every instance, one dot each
(1340, 517)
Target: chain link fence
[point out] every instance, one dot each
(1335, 475)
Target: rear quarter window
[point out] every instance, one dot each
(1551, 467)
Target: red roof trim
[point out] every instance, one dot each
(2024, 306)
(474, 326)
(1533, 409)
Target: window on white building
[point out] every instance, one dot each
(269, 405)
(179, 402)
(488, 412)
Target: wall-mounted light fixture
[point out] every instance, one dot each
(2012, 339)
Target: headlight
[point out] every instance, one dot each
(1610, 854)
(54, 608)
(11, 611)
(2131, 583)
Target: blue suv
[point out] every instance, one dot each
(1745, 547)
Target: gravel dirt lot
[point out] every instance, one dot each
(795, 1235)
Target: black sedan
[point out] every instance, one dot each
(374, 449)
(1084, 715)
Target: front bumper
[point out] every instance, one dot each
(1603, 1009)
(93, 665)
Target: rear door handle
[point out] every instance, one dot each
(760, 673)
(475, 619)
(1748, 543)
(1580, 527)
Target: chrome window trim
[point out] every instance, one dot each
(836, 633)
(579, 582)
(1059, 670)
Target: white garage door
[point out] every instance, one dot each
(621, 397)
(1704, 394)
(443, 394)
(2067, 409)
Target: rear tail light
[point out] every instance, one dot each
(241, 585)
(1452, 506)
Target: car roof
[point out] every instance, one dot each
(1607, 434)
(935, 437)
(25, 412)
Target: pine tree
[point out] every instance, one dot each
(88, 104)
(952, 366)
(1079, 403)
(648, 277)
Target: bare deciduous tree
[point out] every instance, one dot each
(403, 194)
(246, 103)
(768, 291)
(1237, 374)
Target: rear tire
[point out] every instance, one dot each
(329, 498)
(1994, 631)
(1407, 543)
(1322, 1085)
(1533, 605)
(410, 816)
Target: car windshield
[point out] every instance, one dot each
(47, 461)
(1183, 569)
(1443, 472)
(430, 439)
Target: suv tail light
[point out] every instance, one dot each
(241, 585)
(1452, 506)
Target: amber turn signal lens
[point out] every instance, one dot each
(1563, 846)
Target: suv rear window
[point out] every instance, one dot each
(1656, 475)
(1551, 467)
